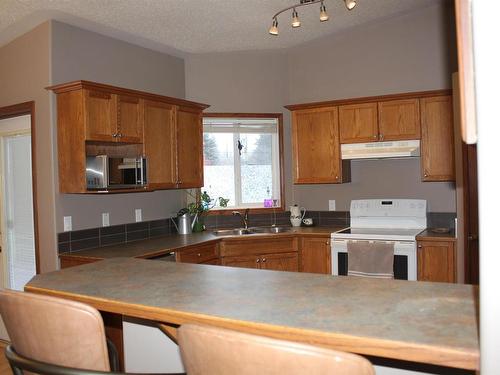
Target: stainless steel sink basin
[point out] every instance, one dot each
(233, 232)
(271, 229)
(254, 230)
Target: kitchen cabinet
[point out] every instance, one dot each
(271, 253)
(436, 260)
(315, 255)
(316, 147)
(112, 118)
(275, 262)
(160, 144)
(358, 123)
(399, 120)
(198, 254)
(189, 148)
(437, 146)
(96, 119)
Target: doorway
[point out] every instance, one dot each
(19, 260)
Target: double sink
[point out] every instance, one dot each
(253, 230)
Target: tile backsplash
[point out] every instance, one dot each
(117, 234)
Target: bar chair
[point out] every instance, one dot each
(217, 351)
(55, 336)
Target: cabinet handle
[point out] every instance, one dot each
(336, 177)
(374, 136)
(381, 137)
(114, 135)
(264, 260)
(327, 243)
(258, 260)
(199, 254)
(419, 246)
(425, 174)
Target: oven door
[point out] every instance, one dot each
(405, 259)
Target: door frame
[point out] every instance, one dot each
(22, 109)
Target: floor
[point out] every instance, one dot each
(4, 365)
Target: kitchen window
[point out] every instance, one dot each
(243, 159)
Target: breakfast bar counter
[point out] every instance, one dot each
(433, 323)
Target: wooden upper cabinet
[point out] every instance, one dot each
(189, 148)
(315, 255)
(358, 123)
(130, 119)
(437, 146)
(160, 143)
(316, 146)
(436, 261)
(399, 120)
(99, 110)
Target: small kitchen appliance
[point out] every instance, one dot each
(105, 172)
(296, 215)
(396, 221)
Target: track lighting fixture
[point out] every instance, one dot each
(295, 19)
(274, 28)
(323, 15)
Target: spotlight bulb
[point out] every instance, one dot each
(274, 28)
(295, 19)
(323, 16)
(350, 4)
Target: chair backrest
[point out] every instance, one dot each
(55, 330)
(216, 351)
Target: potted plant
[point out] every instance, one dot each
(201, 205)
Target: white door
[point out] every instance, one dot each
(17, 256)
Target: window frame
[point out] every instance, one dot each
(279, 118)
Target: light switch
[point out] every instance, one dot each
(105, 219)
(331, 205)
(138, 215)
(68, 226)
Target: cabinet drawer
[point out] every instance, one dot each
(257, 246)
(198, 254)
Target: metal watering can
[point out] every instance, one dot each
(184, 224)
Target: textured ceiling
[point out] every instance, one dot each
(198, 26)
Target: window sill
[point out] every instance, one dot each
(254, 210)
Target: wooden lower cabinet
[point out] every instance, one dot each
(315, 255)
(276, 262)
(198, 254)
(436, 261)
(72, 261)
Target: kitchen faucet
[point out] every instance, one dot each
(244, 218)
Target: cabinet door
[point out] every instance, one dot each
(100, 116)
(436, 261)
(358, 123)
(399, 119)
(189, 148)
(437, 148)
(130, 119)
(280, 262)
(160, 144)
(315, 255)
(251, 261)
(316, 147)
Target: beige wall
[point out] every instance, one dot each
(24, 72)
(81, 54)
(407, 53)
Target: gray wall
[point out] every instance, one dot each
(253, 82)
(407, 53)
(24, 72)
(81, 54)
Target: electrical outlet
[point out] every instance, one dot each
(331, 205)
(138, 215)
(105, 219)
(68, 226)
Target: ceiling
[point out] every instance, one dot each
(198, 26)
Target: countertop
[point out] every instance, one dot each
(417, 321)
(176, 242)
(429, 235)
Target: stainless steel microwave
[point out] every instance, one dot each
(104, 172)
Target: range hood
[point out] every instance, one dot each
(380, 150)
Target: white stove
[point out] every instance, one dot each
(389, 220)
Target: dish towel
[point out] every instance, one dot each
(370, 259)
